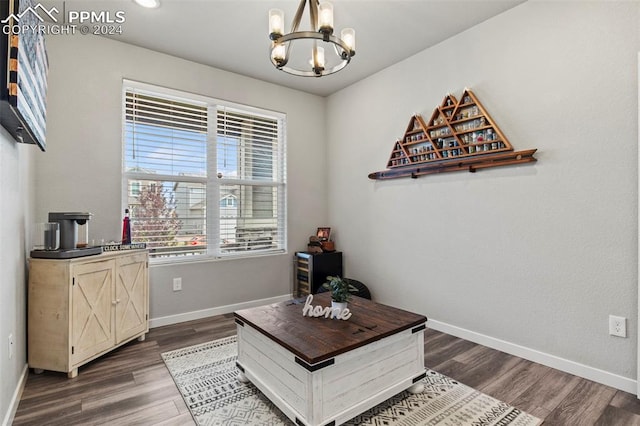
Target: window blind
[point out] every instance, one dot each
(165, 136)
(250, 169)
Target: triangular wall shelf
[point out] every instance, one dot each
(460, 135)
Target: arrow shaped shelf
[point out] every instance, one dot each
(460, 135)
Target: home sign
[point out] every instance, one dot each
(320, 311)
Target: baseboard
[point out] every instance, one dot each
(604, 377)
(15, 400)
(219, 310)
(591, 373)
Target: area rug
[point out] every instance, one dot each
(206, 376)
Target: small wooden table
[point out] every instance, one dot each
(320, 371)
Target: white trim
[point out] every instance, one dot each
(219, 310)
(591, 373)
(15, 400)
(637, 390)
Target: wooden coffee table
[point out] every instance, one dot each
(320, 371)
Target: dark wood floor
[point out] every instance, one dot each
(131, 385)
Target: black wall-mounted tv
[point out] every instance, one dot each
(23, 72)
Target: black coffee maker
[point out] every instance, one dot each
(74, 235)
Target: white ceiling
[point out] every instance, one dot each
(232, 34)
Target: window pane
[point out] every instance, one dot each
(247, 145)
(164, 136)
(251, 222)
(169, 217)
(228, 151)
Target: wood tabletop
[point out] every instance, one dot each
(317, 339)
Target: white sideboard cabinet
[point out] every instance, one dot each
(81, 308)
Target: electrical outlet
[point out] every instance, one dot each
(617, 326)
(177, 284)
(10, 346)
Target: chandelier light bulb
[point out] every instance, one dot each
(276, 23)
(321, 57)
(325, 20)
(278, 53)
(348, 35)
(318, 60)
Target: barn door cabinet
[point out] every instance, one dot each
(81, 308)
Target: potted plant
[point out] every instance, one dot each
(340, 292)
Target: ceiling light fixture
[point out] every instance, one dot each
(311, 53)
(151, 4)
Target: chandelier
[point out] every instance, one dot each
(312, 53)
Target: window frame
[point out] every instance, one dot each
(213, 183)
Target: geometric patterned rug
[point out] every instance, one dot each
(206, 376)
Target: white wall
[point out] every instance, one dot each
(81, 170)
(16, 205)
(535, 255)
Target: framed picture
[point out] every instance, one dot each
(23, 72)
(323, 234)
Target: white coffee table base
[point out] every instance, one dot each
(335, 390)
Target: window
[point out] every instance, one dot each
(228, 201)
(134, 188)
(184, 153)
